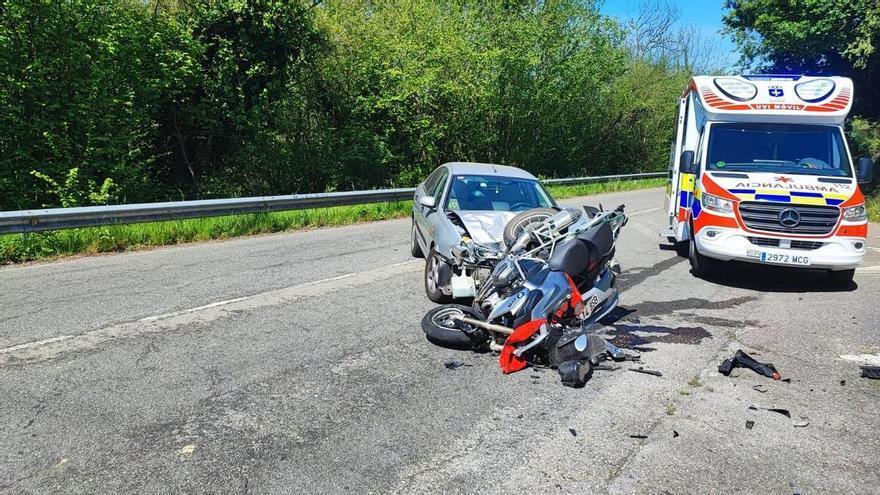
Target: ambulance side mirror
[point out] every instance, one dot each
(686, 163)
(866, 170)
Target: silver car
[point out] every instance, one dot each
(462, 204)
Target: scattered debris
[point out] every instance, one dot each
(760, 388)
(605, 367)
(842, 383)
(750, 424)
(452, 364)
(536, 377)
(803, 422)
(743, 360)
(573, 432)
(872, 372)
(647, 372)
(187, 449)
(786, 380)
(638, 435)
(778, 410)
(674, 434)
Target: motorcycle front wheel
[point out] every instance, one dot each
(443, 327)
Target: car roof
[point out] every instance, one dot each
(471, 168)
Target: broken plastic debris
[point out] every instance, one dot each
(674, 434)
(452, 364)
(872, 372)
(743, 360)
(647, 372)
(573, 432)
(187, 449)
(750, 424)
(760, 388)
(804, 421)
(638, 435)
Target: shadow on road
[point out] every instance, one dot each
(767, 278)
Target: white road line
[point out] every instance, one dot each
(29, 345)
(647, 210)
(55, 346)
(868, 269)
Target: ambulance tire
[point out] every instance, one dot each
(841, 279)
(701, 266)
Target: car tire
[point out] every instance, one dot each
(414, 248)
(841, 279)
(701, 266)
(441, 329)
(432, 278)
(515, 226)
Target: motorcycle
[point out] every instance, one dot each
(543, 300)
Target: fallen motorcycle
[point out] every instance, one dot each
(544, 298)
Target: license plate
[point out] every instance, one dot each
(780, 258)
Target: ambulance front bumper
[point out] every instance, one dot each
(834, 253)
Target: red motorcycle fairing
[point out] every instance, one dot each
(510, 362)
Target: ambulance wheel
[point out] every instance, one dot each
(841, 279)
(701, 266)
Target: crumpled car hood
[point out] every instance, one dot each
(485, 227)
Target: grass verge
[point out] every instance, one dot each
(873, 203)
(17, 248)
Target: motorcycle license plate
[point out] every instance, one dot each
(780, 258)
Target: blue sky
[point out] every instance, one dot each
(705, 14)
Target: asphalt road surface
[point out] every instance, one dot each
(294, 363)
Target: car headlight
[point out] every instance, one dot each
(717, 204)
(855, 213)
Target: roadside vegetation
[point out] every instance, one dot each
(127, 101)
(48, 245)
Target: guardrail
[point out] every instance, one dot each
(24, 221)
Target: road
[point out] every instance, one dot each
(294, 363)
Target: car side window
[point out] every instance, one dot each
(431, 181)
(441, 184)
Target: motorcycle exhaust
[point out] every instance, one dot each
(485, 325)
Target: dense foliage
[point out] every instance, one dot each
(110, 101)
(833, 37)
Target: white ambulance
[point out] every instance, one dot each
(761, 172)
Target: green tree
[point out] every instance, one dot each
(834, 37)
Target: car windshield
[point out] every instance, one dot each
(778, 148)
(477, 192)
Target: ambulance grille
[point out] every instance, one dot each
(802, 245)
(814, 220)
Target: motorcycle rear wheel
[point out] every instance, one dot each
(517, 225)
(443, 329)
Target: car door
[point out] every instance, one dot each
(422, 213)
(435, 219)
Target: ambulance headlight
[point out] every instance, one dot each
(736, 89)
(815, 90)
(855, 214)
(716, 204)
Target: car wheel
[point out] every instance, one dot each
(434, 278)
(414, 247)
(701, 266)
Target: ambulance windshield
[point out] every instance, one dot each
(778, 148)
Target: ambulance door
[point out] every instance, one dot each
(674, 179)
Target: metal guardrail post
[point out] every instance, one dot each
(25, 221)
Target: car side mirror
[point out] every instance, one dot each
(686, 163)
(866, 170)
(428, 201)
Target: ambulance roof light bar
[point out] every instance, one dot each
(773, 77)
(815, 90)
(736, 89)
